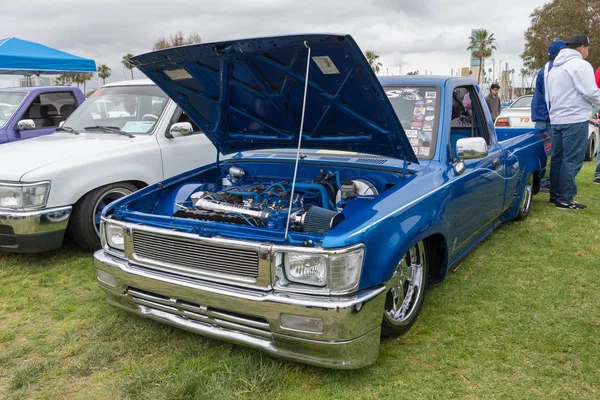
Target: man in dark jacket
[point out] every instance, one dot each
(493, 101)
(539, 104)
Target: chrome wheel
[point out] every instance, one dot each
(407, 288)
(526, 197)
(104, 200)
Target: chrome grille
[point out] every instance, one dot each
(200, 314)
(195, 255)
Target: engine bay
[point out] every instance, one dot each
(317, 204)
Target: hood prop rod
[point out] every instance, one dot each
(287, 225)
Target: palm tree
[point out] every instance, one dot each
(128, 64)
(481, 44)
(104, 72)
(372, 59)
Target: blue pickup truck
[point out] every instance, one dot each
(312, 254)
(27, 112)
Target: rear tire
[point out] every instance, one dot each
(589, 152)
(526, 197)
(85, 219)
(407, 292)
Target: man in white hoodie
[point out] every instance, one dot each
(571, 91)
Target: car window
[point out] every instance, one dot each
(45, 110)
(522, 102)
(134, 109)
(468, 116)
(9, 102)
(417, 108)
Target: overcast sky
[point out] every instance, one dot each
(419, 35)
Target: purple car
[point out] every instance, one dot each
(27, 112)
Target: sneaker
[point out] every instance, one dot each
(596, 180)
(570, 206)
(552, 200)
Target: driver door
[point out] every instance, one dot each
(478, 193)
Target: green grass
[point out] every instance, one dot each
(519, 319)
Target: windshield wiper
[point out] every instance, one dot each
(67, 129)
(111, 129)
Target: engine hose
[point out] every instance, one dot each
(325, 200)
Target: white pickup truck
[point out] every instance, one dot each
(127, 135)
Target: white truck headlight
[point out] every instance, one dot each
(338, 271)
(24, 196)
(115, 236)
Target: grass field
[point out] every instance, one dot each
(519, 319)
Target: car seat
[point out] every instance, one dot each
(66, 110)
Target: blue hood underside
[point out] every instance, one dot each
(247, 94)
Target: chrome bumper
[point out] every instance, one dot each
(33, 231)
(351, 323)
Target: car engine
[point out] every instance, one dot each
(316, 205)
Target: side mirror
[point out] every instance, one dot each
(25, 125)
(180, 129)
(471, 148)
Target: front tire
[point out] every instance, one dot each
(407, 292)
(526, 197)
(84, 225)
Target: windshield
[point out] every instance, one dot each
(133, 109)
(522, 102)
(9, 101)
(417, 108)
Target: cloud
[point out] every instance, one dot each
(426, 34)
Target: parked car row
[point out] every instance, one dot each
(309, 252)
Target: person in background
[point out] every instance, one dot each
(597, 117)
(571, 91)
(539, 105)
(493, 101)
(467, 104)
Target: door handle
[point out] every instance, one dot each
(496, 163)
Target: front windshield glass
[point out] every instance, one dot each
(417, 108)
(9, 101)
(133, 109)
(522, 102)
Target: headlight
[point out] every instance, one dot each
(337, 271)
(24, 196)
(306, 268)
(115, 236)
(344, 270)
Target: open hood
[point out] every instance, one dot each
(247, 94)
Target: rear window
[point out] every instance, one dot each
(522, 102)
(417, 108)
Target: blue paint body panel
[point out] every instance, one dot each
(415, 202)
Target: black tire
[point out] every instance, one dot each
(83, 228)
(589, 152)
(526, 197)
(406, 293)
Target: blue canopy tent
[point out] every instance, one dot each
(21, 57)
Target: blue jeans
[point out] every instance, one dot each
(597, 172)
(545, 125)
(569, 143)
